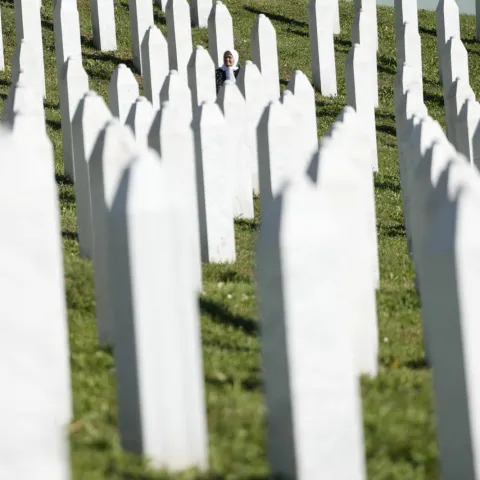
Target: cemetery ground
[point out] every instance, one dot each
(398, 405)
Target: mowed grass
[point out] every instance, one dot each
(398, 405)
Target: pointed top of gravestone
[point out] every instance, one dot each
(174, 87)
(300, 84)
(199, 47)
(209, 116)
(424, 133)
(470, 112)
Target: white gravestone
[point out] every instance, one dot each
(459, 92)
(292, 106)
(155, 64)
(410, 51)
(405, 77)
(161, 410)
(90, 118)
(370, 8)
(179, 35)
(468, 131)
(234, 110)
(405, 12)
(103, 25)
(162, 4)
(201, 78)
(305, 116)
(314, 412)
(254, 90)
(264, 53)
(277, 163)
(199, 12)
(358, 75)
(66, 24)
(452, 266)
(24, 60)
(455, 63)
(322, 51)
(448, 25)
(171, 136)
(362, 28)
(333, 171)
(111, 155)
(175, 90)
(123, 91)
(349, 127)
(141, 19)
(214, 168)
(140, 120)
(220, 32)
(336, 17)
(22, 97)
(28, 27)
(35, 377)
(74, 85)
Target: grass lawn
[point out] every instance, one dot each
(398, 411)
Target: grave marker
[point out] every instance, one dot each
(155, 64)
(234, 110)
(448, 25)
(199, 12)
(201, 77)
(140, 120)
(123, 91)
(103, 25)
(220, 32)
(264, 53)
(467, 131)
(141, 19)
(175, 90)
(90, 118)
(161, 410)
(322, 52)
(179, 34)
(214, 185)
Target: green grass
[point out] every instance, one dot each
(398, 413)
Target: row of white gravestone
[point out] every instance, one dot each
(441, 191)
(311, 365)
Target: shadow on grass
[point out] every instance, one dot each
(70, 235)
(54, 124)
(233, 276)
(418, 364)
(277, 18)
(433, 98)
(388, 185)
(245, 224)
(388, 129)
(63, 179)
(222, 315)
(110, 58)
(392, 231)
(427, 31)
(249, 384)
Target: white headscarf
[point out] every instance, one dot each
(230, 71)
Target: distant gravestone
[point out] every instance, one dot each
(103, 25)
(28, 27)
(90, 118)
(265, 55)
(305, 115)
(199, 12)
(24, 60)
(141, 19)
(448, 25)
(410, 50)
(303, 321)
(201, 78)
(179, 34)
(336, 17)
(336, 172)
(66, 24)
(405, 78)
(214, 186)
(23, 98)
(370, 9)
(455, 63)
(467, 131)
(161, 410)
(220, 32)
(123, 91)
(140, 120)
(276, 160)
(171, 136)
(358, 75)
(234, 110)
(322, 51)
(254, 90)
(74, 85)
(36, 378)
(111, 155)
(155, 64)
(459, 92)
(175, 90)
(405, 12)
(452, 264)
(362, 33)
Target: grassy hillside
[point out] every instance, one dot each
(398, 412)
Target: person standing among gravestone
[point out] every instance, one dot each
(229, 70)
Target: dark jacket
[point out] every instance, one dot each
(221, 76)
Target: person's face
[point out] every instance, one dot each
(228, 59)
